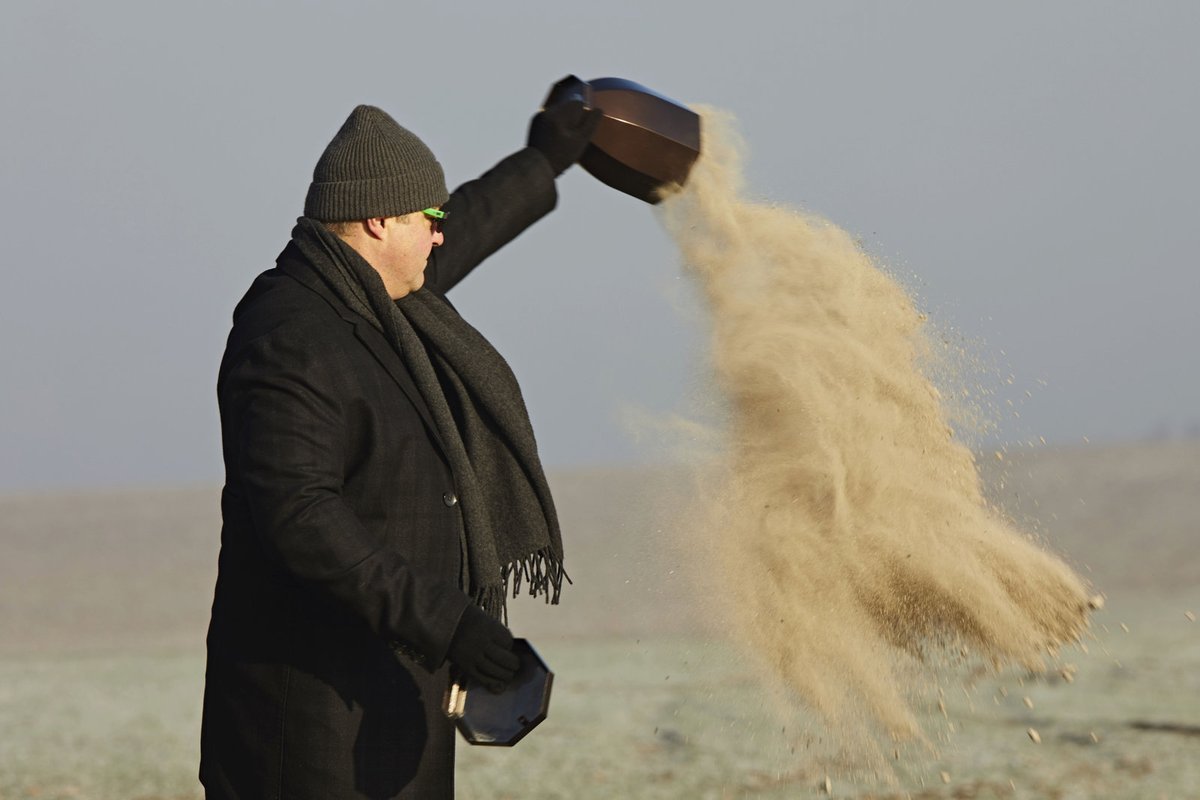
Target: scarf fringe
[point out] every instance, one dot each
(542, 571)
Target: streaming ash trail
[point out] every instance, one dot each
(847, 527)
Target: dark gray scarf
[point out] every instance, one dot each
(511, 531)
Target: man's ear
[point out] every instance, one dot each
(375, 227)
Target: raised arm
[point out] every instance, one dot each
(485, 214)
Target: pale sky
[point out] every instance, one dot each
(1029, 168)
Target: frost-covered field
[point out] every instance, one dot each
(673, 718)
(103, 601)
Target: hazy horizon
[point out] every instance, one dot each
(1027, 170)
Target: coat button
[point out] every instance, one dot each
(450, 499)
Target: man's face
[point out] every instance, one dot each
(405, 247)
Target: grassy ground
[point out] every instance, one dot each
(104, 598)
(664, 718)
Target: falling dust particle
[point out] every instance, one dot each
(846, 525)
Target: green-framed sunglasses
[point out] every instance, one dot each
(436, 217)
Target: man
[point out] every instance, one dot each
(382, 487)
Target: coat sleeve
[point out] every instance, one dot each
(289, 439)
(487, 213)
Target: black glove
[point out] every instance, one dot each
(562, 132)
(482, 649)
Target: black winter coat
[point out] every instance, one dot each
(341, 533)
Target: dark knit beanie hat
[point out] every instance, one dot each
(374, 168)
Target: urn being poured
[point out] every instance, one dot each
(644, 143)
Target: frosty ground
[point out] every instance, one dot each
(104, 599)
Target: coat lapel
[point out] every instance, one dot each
(292, 263)
(389, 359)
